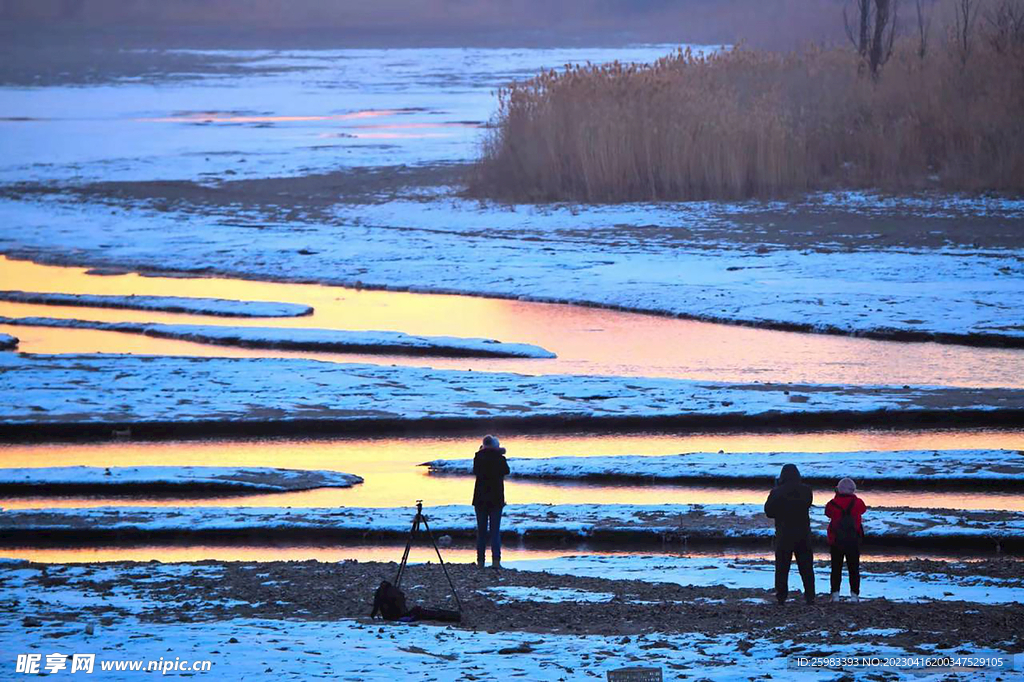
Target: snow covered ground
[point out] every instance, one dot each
(680, 522)
(303, 338)
(89, 609)
(643, 258)
(740, 573)
(167, 304)
(7, 342)
(121, 389)
(242, 649)
(901, 466)
(194, 479)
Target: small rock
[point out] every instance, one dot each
(232, 641)
(30, 622)
(521, 649)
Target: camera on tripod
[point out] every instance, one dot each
(389, 600)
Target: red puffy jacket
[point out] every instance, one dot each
(834, 511)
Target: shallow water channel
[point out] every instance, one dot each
(392, 477)
(586, 340)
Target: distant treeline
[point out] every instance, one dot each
(936, 104)
(764, 23)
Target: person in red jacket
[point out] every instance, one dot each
(845, 532)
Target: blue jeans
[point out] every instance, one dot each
(488, 515)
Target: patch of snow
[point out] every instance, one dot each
(863, 465)
(552, 595)
(39, 389)
(302, 338)
(168, 304)
(242, 479)
(692, 521)
(759, 574)
(245, 648)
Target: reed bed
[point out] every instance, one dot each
(740, 124)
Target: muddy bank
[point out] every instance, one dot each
(100, 396)
(607, 524)
(174, 481)
(168, 430)
(168, 304)
(312, 591)
(985, 469)
(305, 339)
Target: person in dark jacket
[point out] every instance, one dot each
(490, 468)
(789, 504)
(845, 532)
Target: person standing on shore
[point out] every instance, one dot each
(845, 533)
(789, 504)
(490, 468)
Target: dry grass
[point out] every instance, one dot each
(755, 124)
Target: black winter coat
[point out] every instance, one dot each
(789, 504)
(490, 468)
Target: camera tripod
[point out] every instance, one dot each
(417, 520)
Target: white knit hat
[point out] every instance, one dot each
(846, 486)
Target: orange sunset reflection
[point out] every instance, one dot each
(587, 340)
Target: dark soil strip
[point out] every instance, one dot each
(314, 591)
(597, 538)
(77, 431)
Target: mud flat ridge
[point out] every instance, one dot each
(166, 480)
(81, 396)
(974, 468)
(301, 338)
(167, 304)
(656, 524)
(250, 617)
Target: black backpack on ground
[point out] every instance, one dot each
(846, 533)
(389, 601)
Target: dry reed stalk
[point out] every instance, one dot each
(741, 124)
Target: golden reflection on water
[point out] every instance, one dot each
(587, 340)
(392, 477)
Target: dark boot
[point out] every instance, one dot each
(479, 559)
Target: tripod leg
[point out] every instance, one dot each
(443, 567)
(408, 546)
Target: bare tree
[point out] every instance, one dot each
(884, 34)
(864, 20)
(877, 22)
(924, 24)
(1005, 25)
(965, 16)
